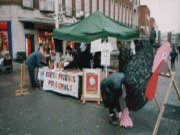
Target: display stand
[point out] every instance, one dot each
(23, 82)
(84, 99)
(162, 106)
(98, 100)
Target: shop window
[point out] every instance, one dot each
(69, 8)
(28, 4)
(47, 5)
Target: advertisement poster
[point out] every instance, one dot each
(61, 82)
(91, 87)
(4, 39)
(92, 83)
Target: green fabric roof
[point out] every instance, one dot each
(93, 27)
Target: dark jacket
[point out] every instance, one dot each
(173, 55)
(111, 87)
(83, 60)
(124, 58)
(34, 60)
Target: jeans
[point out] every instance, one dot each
(32, 76)
(115, 104)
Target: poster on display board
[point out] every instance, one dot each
(91, 81)
(61, 82)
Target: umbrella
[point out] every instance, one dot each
(159, 64)
(137, 74)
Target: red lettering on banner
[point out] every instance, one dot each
(51, 83)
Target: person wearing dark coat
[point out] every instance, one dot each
(33, 61)
(97, 60)
(83, 60)
(111, 89)
(173, 55)
(124, 56)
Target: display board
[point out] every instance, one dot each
(91, 85)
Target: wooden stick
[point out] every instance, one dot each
(22, 91)
(163, 104)
(158, 106)
(176, 88)
(24, 76)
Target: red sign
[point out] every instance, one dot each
(45, 34)
(3, 26)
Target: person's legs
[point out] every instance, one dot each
(172, 64)
(112, 114)
(32, 76)
(115, 106)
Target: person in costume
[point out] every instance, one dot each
(134, 79)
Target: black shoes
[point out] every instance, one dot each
(36, 86)
(114, 120)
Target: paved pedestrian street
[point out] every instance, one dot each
(48, 113)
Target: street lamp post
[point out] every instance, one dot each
(56, 19)
(56, 14)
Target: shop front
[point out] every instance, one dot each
(47, 38)
(5, 36)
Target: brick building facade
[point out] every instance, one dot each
(144, 20)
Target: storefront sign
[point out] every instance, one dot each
(45, 34)
(3, 26)
(61, 82)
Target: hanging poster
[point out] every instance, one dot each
(3, 35)
(4, 39)
(105, 57)
(113, 43)
(96, 46)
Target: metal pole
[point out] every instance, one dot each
(56, 26)
(56, 13)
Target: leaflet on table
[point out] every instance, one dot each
(61, 82)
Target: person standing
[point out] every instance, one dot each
(173, 56)
(124, 56)
(83, 60)
(33, 61)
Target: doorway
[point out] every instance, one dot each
(29, 39)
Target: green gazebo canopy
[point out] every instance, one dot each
(94, 27)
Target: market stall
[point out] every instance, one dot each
(96, 26)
